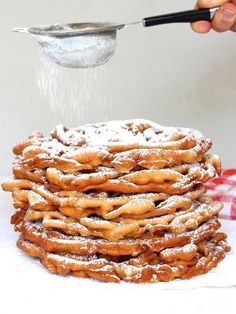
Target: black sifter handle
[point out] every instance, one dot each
(180, 17)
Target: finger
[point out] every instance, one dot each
(201, 27)
(233, 28)
(224, 18)
(211, 3)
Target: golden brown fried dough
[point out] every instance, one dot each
(120, 200)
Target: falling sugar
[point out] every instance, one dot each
(76, 96)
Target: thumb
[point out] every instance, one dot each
(211, 3)
(225, 17)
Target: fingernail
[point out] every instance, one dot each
(227, 14)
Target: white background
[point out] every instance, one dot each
(168, 73)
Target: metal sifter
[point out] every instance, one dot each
(82, 45)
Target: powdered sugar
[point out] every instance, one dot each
(79, 51)
(74, 96)
(127, 132)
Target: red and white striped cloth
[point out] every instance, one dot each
(223, 189)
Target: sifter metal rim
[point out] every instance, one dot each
(70, 30)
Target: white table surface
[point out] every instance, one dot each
(26, 287)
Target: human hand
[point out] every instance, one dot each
(224, 19)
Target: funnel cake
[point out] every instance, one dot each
(52, 241)
(120, 200)
(122, 145)
(119, 228)
(181, 262)
(174, 181)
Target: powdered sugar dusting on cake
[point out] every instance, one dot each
(138, 131)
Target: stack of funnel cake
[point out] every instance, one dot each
(122, 200)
